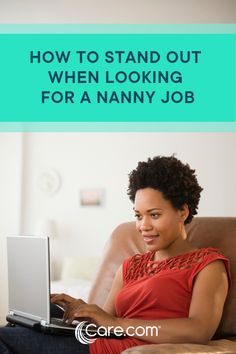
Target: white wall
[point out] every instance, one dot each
(114, 11)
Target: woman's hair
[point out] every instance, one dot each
(176, 181)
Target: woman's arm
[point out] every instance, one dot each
(209, 294)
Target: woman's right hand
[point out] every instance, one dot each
(62, 300)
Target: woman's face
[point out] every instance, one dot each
(159, 223)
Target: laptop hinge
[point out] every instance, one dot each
(44, 323)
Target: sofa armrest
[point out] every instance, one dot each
(222, 346)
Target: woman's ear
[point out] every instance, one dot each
(184, 212)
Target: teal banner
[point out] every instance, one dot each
(117, 77)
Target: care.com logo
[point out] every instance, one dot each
(85, 332)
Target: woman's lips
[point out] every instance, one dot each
(150, 239)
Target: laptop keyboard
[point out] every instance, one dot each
(59, 322)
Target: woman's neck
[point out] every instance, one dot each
(175, 249)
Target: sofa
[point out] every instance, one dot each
(125, 241)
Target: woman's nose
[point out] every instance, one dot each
(145, 224)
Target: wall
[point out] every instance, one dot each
(103, 160)
(10, 198)
(122, 11)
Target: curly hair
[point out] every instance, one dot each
(176, 181)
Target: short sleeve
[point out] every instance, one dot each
(207, 259)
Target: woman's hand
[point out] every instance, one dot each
(80, 310)
(62, 300)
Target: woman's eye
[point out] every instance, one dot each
(155, 216)
(138, 217)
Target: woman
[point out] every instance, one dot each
(174, 287)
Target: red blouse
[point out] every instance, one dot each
(156, 290)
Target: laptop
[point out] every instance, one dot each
(29, 285)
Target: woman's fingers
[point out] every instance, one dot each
(72, 308)
(62, 299)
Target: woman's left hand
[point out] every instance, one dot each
(81, 310)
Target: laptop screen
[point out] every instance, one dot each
(28, 276)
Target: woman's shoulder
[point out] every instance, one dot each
(196, 258)
(202, 254)
(203, 251)
(205, 256)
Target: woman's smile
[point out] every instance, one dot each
(150, 238)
